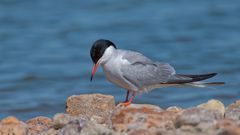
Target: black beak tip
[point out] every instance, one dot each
(91, 78)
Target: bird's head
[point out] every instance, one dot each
(97, 51)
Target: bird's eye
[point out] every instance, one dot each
(95, 55)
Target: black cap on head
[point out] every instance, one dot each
(99, 47)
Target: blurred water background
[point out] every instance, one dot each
(44, 49)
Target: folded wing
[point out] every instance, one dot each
(143, 73)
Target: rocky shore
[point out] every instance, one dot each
(96, 114)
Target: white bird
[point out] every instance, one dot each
(136, 73)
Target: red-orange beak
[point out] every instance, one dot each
(94, 68)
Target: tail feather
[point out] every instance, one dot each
(204, 84)
(196, 78)
(184, 79)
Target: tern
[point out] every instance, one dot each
(136, 73)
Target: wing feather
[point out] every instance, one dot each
(143, 72)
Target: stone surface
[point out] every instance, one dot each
(50, 131)
(72, 128)
(233, 111)
(66, 124)
(175, 109)
(204, 127)
(12, 126)
(38, 125)
(10, 120)
(96, 114)
(80, 127)
(227, 127)
(142, 132)
(213, 105)
(234, 105)
(195, 116)
(91, 128)
(233, 114)
(90, 104)
(187, 130)
(134, 117)
(61, 119)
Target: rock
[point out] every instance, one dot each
(213, 105)
(91, 128)
(233, 114)
(12, 126)
(164, 132)
(175, 109)
(151, 132)
(187, 130)
(204, 127)
(227, 127)
(234, 105)
(195, 116)
(200, 129)
(65, 124)
(89, 105)
(61, 119)
(147, 107)
(233, 111)
(50, 131)
(81, 127)
(38, 124)
(136, 117)
(142, 132)
(72, 128)
(96, 114)
(100, 120)
(10, 120)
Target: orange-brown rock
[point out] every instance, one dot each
(12, 126)
(10, 120)
(138, 116)
(90, 104)
(228, 127)
(38, 124)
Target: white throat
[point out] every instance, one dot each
(107, 55)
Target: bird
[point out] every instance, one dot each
(137, 73)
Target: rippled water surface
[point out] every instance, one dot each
(44, 49)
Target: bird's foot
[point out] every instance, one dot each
(124, 104)
(127, 101)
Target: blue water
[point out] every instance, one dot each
(44, 49)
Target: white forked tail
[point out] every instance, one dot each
(204, 84)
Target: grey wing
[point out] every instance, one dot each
(134, 57)
(144, 73)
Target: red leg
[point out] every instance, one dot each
(133, 96)
(130, 101)
(126, 100)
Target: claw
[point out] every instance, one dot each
(127, 102)
(124, 104)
